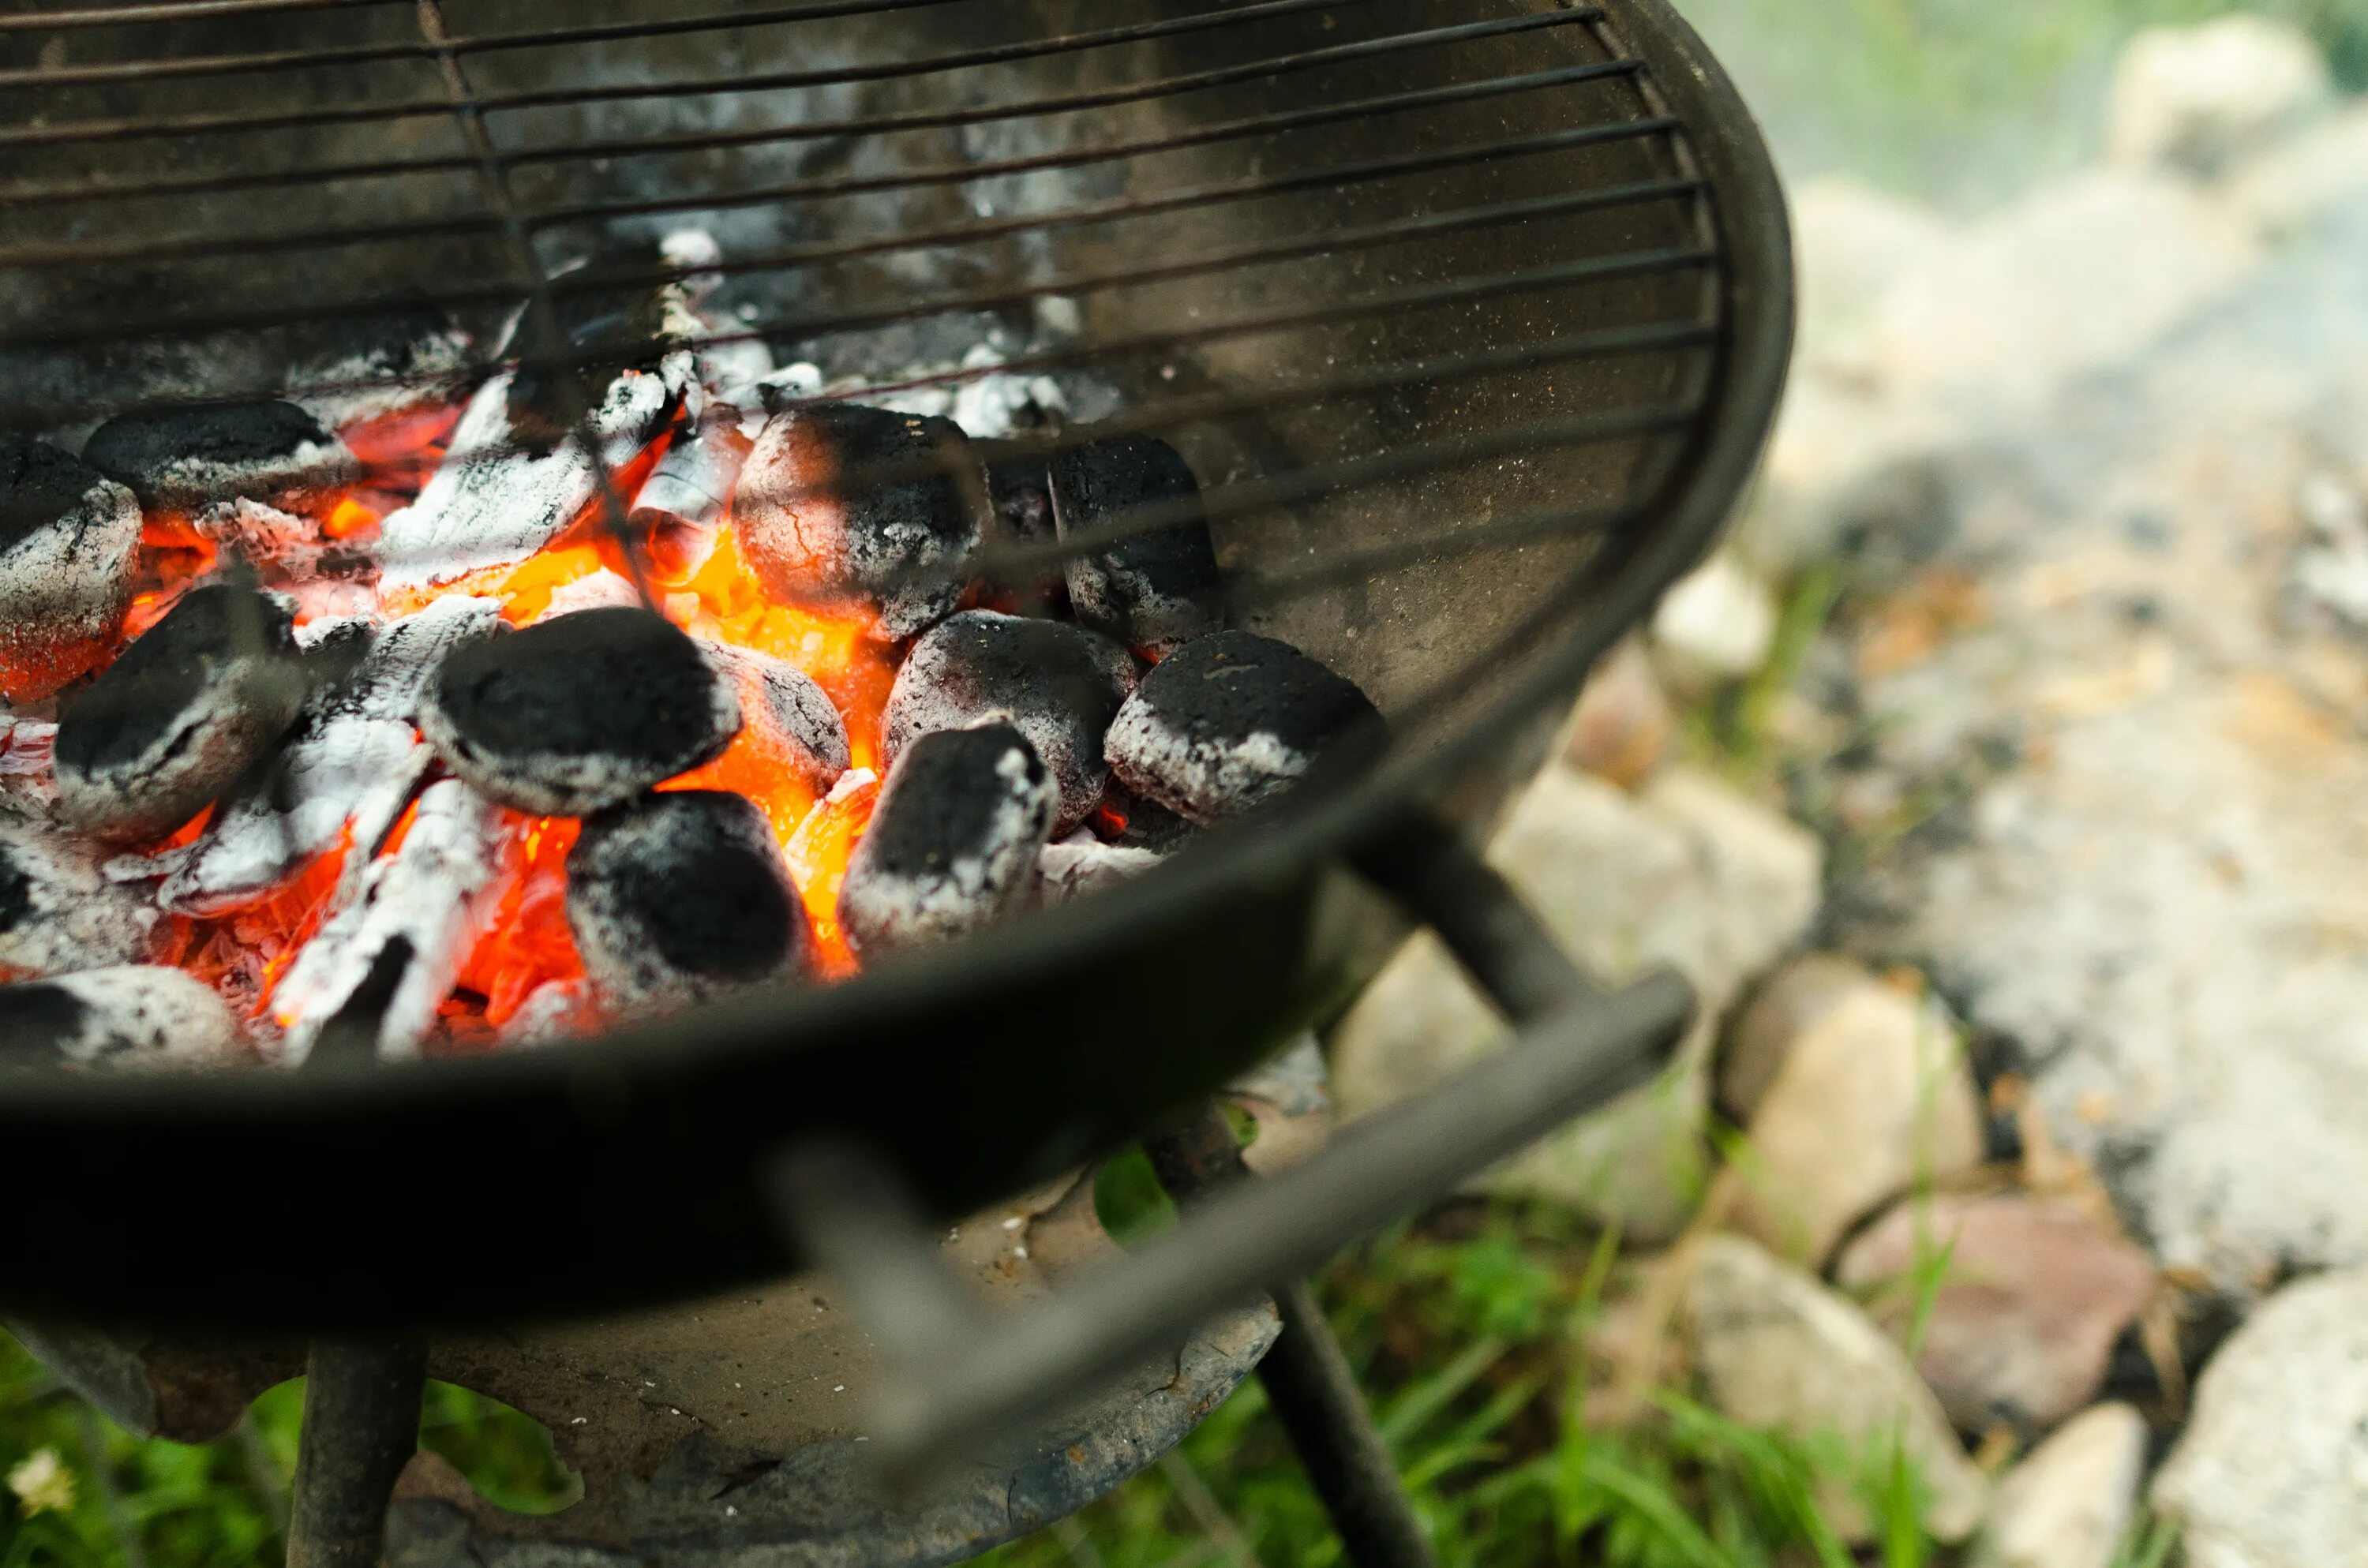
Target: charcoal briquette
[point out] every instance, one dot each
(952, 844)
(194, 702)
(1150, 590)
(133, 1017)
(1058, 685)
(68, 538)
(58, 911)
(846, 506)
(180, 459)
(1229, 722)
(796, 728)
(578, 713)
(681, 896)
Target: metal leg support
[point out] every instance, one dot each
(361, 1427)
(1308, 1381)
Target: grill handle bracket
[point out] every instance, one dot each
(958, 1378)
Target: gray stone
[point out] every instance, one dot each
(1776, 1350)
(2034, 1292)
(1873, 1097)
(2273, 1470)
(1717, 623)
(1688, 874)
(1760, 1033)
(2317, 178)
(2069, 1502)
(1622, 728)
(2200, 98)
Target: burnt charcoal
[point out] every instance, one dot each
(680, 897)
(1135, 822)
(952, 842)
(1082, 864)
(691, 485)
(58, 911)
(1231, 721)
(578, 713)
(68, 538)
(181, 460)
(796, 729)
(1151, 591)
(135, 1017)
(847, 506)
(553, 1011)
(349, 765)
(192, 704)
(384, 961)
(507, 485)
(1058, 685)
(1020, 484)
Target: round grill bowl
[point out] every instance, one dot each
(1472, 329)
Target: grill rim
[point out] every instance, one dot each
(1741, 203)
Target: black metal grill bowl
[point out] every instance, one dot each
(1472, 323)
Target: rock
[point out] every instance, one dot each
(1717, 623)
(2198, 99)
(1775, 1349)
(2081, 276)
(2033, 1295)
(2273, 1470)
(1848, 461)
(2068, 1503)
(1686, 874)
(1622, 728)
(1850, 242)
(1873, 1096)
(1760, 1033)
(2303, 184)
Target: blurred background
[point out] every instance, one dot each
(1999, 786)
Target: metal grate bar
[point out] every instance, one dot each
(1418, 297)
(176, 11)
(482, 43)
(73, 131)
(49, 257)
(1252, 125)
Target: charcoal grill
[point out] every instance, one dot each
(1472, 323)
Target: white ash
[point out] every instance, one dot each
(1154, 590)
(603, 589)
(58, 911)
(1082, 864)
(555, 1010)
(680, 897)
(68, 538)
(791, 718)
(350, 765)
(952, 844)
(843, 505)
(381, 382)
(180, 461)
(691, 485)
(180, 716)
(987, 407)
(493, 501)
(264, 535)
(27, 745)
(131, 1018)
(403, 936)
(579, 712)
(1230, 723)
(1059, 685)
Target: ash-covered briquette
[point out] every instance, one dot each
(386, 958)
(579, 712)
(350, 766)
(849, 507)
(1230, 721)
(58, 911)
(135, 1017)
(1058, 685)
(680, 896)
(796, 728)
(509, 486)
(68, 538)
(1082, 864)
(182, 460)
(553, 1011)
(1151, 590)
(194, 702)
(952, 844)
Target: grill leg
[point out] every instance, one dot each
(1308, 1381)
(361, 1427)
